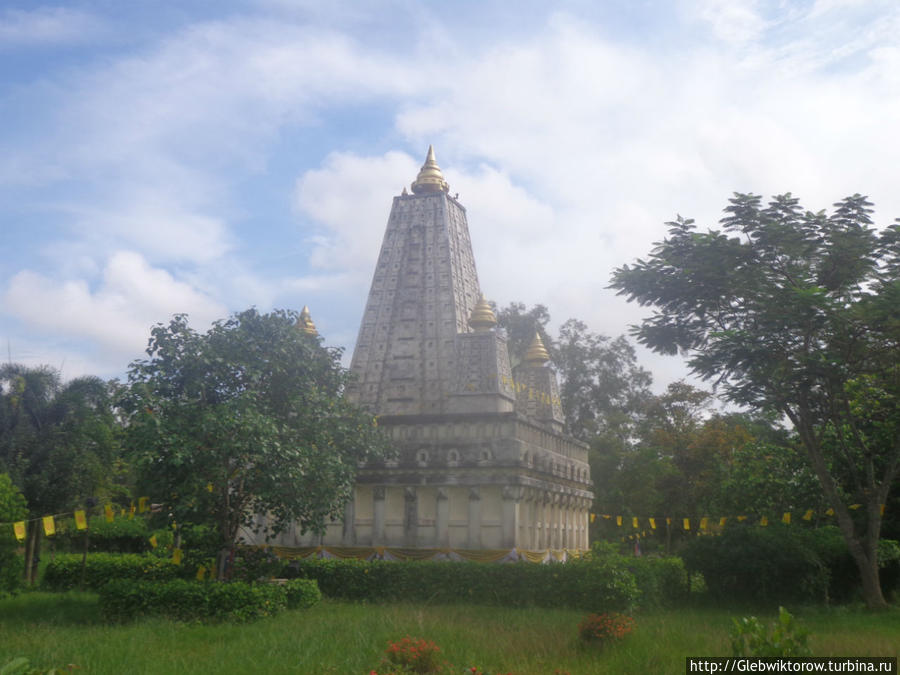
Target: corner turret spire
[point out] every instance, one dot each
(430, 178)
(305, 322)
(537, 353)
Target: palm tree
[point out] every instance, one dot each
(57, 440)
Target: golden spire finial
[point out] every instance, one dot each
(482, 318)
(430, 178)
(305, 322)
(537, 353)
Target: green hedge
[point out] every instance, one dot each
(780, 564)
(663, 582)
(64, 572)
(122, 535)
(302, 593)
(182, 600)
(590, 585)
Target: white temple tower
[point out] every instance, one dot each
(482, 461)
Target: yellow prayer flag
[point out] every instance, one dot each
(209, 487)
(80, 520)
(593, 517)
(704, 522)
(786, 518)
(49, 526)
(881, 508)
(143, 504)
(687, 523)
(764, 521)
(153, 541)
(829, 512)
(131, 511)
(606, 516)
(653, 523)
(108, 510)
(722, 521)
(201, 572)
(176, 556)
(808, 515)
(855, 506)
(668, 521)
(619, 521)
(634, 522)
(19, 529)
(741, 519)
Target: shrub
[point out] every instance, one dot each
(662, 581)
(182, 600)
(64, 572)
(122, 535)
(605, 628)
(595, 585)
(749, 637)
(759, 565)
(253, 563)
(414, 655)
(768, 565)
(301, 593)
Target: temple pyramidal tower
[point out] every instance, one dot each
(482, 461)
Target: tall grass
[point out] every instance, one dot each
(349, 639)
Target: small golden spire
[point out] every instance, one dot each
(537, 353)
(305, 322)
(430, 178)
(482, 318)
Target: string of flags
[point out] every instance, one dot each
(49, 523)
(704, 524)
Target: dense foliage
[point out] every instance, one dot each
(125, 600)
(64, 572)
(793, 312)
(592, 585)
(12, 508)
(246, 419)
(767, 566)
(58, 441)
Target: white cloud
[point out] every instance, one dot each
(351, 197)
(569, 148)
(731, 21)
(48, 26)
(131, 297)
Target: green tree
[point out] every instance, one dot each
(245, 420)
(794, 312)
(58, 441)
(12, 509)
(520, 325)
(603, 389)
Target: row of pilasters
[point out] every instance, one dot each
(555, 521)
(438, 527)
(529, 518)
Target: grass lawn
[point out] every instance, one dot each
(349, 639)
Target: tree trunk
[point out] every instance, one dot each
(32, 554)
(863, 548)
(29, 552)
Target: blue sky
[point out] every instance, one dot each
(203, 157)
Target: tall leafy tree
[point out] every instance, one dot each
(520, 325)
(246, 419)
(795, 312)
(58, 440)
(603, 389)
